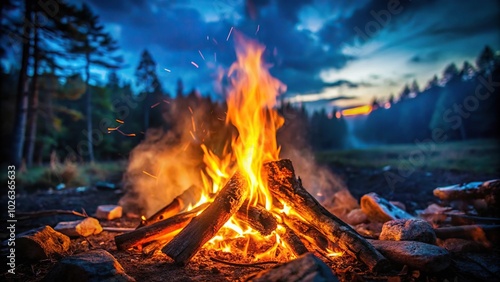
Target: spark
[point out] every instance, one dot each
(208, 37)
(215, 41)
(119, 121)
(215, 56)
(193, 124)
(194, 64)
(191, 110)
(185, 146)
(149, 174)
(167, 70)
(155, 105)
(126, 134)
(258, 28)
(168, 102)
(201, 55)
(113, 128)
(192, 135)
(229, 34)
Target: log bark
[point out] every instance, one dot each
(202, 228)
(305, 268)
(286, 187)
(292, 240)
(309, 233)
(155, 231)
(258, 218)
(190, 196)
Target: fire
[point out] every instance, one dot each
(250, 100)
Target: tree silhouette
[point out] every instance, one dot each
(486, 59)
(90, 41)
(147, 80)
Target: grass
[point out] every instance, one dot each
(70, 173)
(472, 155)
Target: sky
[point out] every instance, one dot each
(328, 53)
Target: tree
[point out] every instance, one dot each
(90, 41)
(486, 59)
(450, 72)
(467, 71)
(432, 83)
(405, 94)
(147, 80)
(19, 130)
(414, 88)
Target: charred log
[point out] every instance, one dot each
(202, 228)
(155, 231)
(286, 187)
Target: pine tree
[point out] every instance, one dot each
(486, 59)
(148, 81)
(90, 41)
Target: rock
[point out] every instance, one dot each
(94, 265)
(408, 230)
(456, 245)
(85, 227)
(398, 204)
(417, 255)
(379, 209)
(41, 243)
(341, 203)
(355, 217)
(108, 212)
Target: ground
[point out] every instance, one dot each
(414, 190)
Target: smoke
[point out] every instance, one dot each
(169, 160)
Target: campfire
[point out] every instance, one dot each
(251, 202)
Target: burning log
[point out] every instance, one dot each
(258, 218)
(305, 268)
(190, 196)
(202, 228)
(309, 233)
(284, 186)
(156, 230)
(292, 240)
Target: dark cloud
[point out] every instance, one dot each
(344, 82)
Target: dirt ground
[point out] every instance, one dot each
(415, 192)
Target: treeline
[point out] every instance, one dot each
(462, 104)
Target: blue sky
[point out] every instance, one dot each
(323, 50)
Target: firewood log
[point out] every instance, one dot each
(258, 218)
(287, 188)
(202, 228)
(190, 196)
(309, 233)
(470, 232)
(305, 268)
(156, 230)
(292, 240)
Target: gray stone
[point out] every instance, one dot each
(417, 255)
(355, 217)
(408, 230)
(85, 227)
(91, 266)
(41, 243)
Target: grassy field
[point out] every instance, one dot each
(69, 173)
(472, 155)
